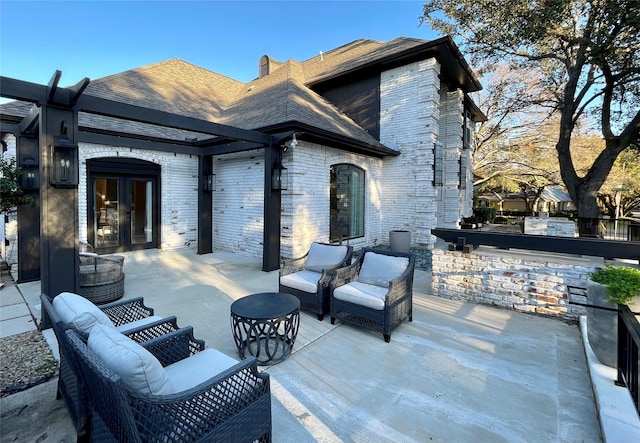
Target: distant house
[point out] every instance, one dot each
(378, 137)
(553, 199)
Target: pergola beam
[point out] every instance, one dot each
(30, 120)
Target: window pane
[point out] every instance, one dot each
(346, 202)
(107, 212)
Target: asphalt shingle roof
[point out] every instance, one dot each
(282, 97)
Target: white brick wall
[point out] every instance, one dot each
(238, 200)
(305, 205)
(409, 119)
(238, 213)
(450, 207)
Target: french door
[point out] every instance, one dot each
(123, 211)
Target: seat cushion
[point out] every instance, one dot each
(363, 294)
(380, 269)
(200, 367)
(79, 312)
(138, 323)
(137, 367)
(324, 256)
(304, 280)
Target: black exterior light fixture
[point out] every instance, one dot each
(209, 182)
(30, 177)
(279, 176)
(64, 161)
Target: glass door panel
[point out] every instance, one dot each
(141, 211)
(106, 212)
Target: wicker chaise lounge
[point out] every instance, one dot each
(170, 389)
(376, 292)
(310, 278)
(130, 317)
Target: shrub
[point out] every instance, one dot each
(486, 214)
(622, 282)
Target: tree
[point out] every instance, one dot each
(11, 195)
(586, 52)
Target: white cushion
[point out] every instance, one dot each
(137, 323)
(371, 296)
(380, 269)
(306, 281)
(79, 312)
(190, 372)
(137, 367)
(324, 256)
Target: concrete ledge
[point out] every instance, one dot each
(619, 420)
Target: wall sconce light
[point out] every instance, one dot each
(209, 182)
(64, 163)
(30, 178)
(279, 177)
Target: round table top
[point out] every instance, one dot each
(265, 305)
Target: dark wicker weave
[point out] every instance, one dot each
(101, 277)
(233, 406)
(70, 386)
(317, 302)
(398, 303)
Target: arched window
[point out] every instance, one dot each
(346, 202)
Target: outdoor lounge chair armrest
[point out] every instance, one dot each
(125, 311)
(248, 365)
(224, 399)
(347, 274)
(152, 330)
(401, 285)
(292, 265)
(174, 346)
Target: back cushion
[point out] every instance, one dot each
(79, 312)
(380, 269)
(324, 256)
(134, 364)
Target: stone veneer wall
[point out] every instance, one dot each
(522, 280)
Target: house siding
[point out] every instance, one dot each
(410, 120)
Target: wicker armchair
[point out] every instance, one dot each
(309, 277)
(101, 276)
(130, 317)
(376, 292)
(231, 405)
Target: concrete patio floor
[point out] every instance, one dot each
(459, 372)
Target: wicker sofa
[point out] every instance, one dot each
(310, 278)
(376, 292)
(130, 317)
(170, 389)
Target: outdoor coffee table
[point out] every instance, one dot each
(265, 326)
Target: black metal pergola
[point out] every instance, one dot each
(49, 229)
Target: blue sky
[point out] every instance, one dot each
(98, 38)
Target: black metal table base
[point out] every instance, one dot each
(269, 340)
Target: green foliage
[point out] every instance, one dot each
(585, 53)
(11, 194)
(622, 282)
